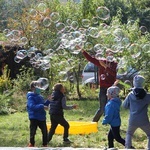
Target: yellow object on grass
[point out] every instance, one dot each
(77, 127)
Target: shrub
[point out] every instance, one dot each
(5, 82)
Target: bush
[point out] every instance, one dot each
(5, 82)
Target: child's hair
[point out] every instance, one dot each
(57, 87)
(32, 84)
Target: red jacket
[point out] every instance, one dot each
(107, 76)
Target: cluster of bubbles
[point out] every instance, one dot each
(73, 37)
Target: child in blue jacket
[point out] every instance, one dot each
(36, 106)
(112, 116)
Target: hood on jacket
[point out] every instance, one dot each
(140, 93)
(31, 94)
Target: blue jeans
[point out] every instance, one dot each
(102, 103)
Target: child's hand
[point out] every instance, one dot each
(79, 48)
(49, 97)
(46, 107)
(116, 82)
(103, 64)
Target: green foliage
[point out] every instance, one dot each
(4, 104)
(2, 37)
(5, 82)
(23, 80)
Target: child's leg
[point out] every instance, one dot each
(129, 134)
(110, 139)
(116, 134)
(33, 128)
(43, 127)
(146, 129)
(65, 124)
(54, 124)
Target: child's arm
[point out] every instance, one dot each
(34, 106)
(108, 114)
(126, 102)
(67, 107)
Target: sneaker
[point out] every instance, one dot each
(30, 145)
(67, 141)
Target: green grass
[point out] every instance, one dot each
(14, 129)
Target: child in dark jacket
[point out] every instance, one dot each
(112, 116)
(37, 114)
(137, 102)
(57, 104)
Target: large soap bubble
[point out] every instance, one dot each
(42, 83)
(135, 50)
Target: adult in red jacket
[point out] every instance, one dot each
(107, 71)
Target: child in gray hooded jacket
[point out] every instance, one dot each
(137, 102)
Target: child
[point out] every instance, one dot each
(37, 114)
(137, 102)
(112, 116)
(57, 104)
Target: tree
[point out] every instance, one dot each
(55, 29)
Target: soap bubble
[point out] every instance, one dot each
(41, 7)
(103, 77)
(135, 50)
(143, 29)
(33, 12)
(17, 60)
(103, 13)
(88, 46)
(34, 24)
(99, 48)
(98, 55)
(24, 40)
(42, 83)
(16, 35)
(146, 48)
(118, 33)
(86, 22)
(93, 32)
(6, 31)
(95, 20)
(46, 21)
(74, 25)
(110, 58)
(60, 26)
(55, 17)
(21, 54)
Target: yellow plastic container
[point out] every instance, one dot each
(77, 127)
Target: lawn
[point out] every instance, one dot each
(14, 129)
